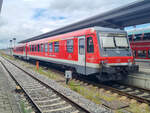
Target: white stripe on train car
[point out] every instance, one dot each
(142, 60)
(120, 64)
(93, 65)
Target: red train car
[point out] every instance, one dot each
(20, 51)
(101, 52)
(140, 43)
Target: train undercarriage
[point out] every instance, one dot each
(116, 73)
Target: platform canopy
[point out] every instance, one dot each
(129, 15)
(139, 31)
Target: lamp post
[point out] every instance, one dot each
(10, 46)
(14, 39)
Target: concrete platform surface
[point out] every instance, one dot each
(141, 79)
(144, 66)
(8, 103)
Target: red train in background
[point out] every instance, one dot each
(140, 43)
(97, 51)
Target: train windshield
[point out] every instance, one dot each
(108, 42)
(114, 41)
(121, 42)
(114, 44)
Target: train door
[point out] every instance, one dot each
(81, 55)
(25, 51)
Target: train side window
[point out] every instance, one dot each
(42, 48)
(141, 53)
(148, 53)
(90, 45)
(56, 46)
(69, 46)
(38, 47)
(32, 47)
(35, 48)
(81, 46)
(51, 47)
(46, 47)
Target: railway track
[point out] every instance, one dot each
(44, 98)
(139, 94)
(132, 92)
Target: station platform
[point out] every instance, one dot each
(143, 65)
(140, 79)
(8, 102)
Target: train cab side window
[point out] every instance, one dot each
(46, 47)
(90, 45)
(42, 47)
(32, 47)
(81, 46)
(50, 47)
(38, 47)
(70, 46)
(56, 47)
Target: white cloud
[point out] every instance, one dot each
(26, 18)
(45, 30)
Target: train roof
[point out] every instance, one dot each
(82, 32)
(139, 31)
(112, 30)
(78, 33)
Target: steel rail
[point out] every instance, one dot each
(46, 85)
(38, 109)
(115, 90)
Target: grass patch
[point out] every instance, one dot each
(6, 56)
(90, 94)
(47, 73)
(23, 107)
(135, 108)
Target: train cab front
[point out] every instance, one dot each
(116, 60)
(118, 65)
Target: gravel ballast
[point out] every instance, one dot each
(75, 97)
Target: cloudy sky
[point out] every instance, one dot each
(23, 19)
